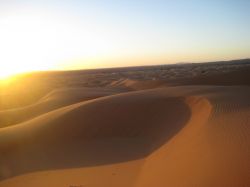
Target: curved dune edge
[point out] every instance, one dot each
(52, 101)
(203, 140)
(123, 129)
(212, 149)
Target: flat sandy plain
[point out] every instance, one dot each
(182, 125)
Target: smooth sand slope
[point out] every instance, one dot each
(173, 136)
(213, 149)
(53, 100)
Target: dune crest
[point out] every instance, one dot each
(55, 99)
(212, 149)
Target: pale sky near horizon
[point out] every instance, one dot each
(74, 34)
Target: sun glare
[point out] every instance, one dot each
(34, 41)
(24, 39)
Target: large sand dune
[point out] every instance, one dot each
(150, 135)
(53, 100)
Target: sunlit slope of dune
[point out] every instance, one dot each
(156, 137)
(211, 150)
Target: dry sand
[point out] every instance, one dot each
(130, 133)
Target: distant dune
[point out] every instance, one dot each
(115, 130)
(53, 100)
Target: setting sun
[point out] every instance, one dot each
(22, 44)
(32, 41)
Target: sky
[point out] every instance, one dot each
(81, 34)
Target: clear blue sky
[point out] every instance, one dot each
(104, 33)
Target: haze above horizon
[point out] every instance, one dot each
(67, 35)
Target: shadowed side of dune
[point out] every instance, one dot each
(103, 131)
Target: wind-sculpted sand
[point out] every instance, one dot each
(129, 133)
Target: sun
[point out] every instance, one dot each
(33, 42)
(16, 65)
(8, 70)
(39, 40)
(25, 44)
(6, 74)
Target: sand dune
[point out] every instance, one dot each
(116, 122)
(212, 149)
(174, 130)
(138, 85)
(142, 138)
(55, 99)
